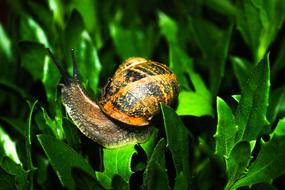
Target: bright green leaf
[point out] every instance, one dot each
(167, 27)
(197, 101)
(237, 162)
(116, 162)
(251, 111)
(269, 163)
(8, 146)
(63, 158)
(5, 43)
(226, 130)
(149, 145)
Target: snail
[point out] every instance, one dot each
(129, 101)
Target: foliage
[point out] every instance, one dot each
(225, 131)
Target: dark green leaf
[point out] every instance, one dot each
(7, 181)
(237, 162)
(116, 162)
(177, 141)
(251, 111)
(15, 169)
(181, 182)
(16, 123)
(63, 159)
(223, 6)
(226, 130)
(32, 57)
(276, 97)
(269, 163)
(214, 56)
(242, 69)
(280, 60)
(155, 176)
(263, 186)
(258, 22)
(130, 42)
(84, 181)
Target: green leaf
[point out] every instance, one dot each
(130, 42)
(223, 6)
(56, 7)
(85, 181)
(197, 101)
(226, 130)
(54, 125)
(269, 163)
(8, 146)
(30, 30)
(88, 9)
(7, 181)
(167, 27)
(214, 56)
(32, 58)
(116, 162)
(251, 111)
(63, 158)
(242, 69)
(155, 176)
(16, 123)
(237, 162)
(177, 141)
(279, 64)
(15, 169)
(258, 22)
(89, 66)
(181, 182)
(149, 145)
(276, 97)
(5, 43)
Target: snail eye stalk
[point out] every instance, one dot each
(75, 69)
(63, 73)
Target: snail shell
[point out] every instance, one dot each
(137, 88)
(131, 99)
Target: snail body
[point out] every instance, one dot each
(129, 101)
